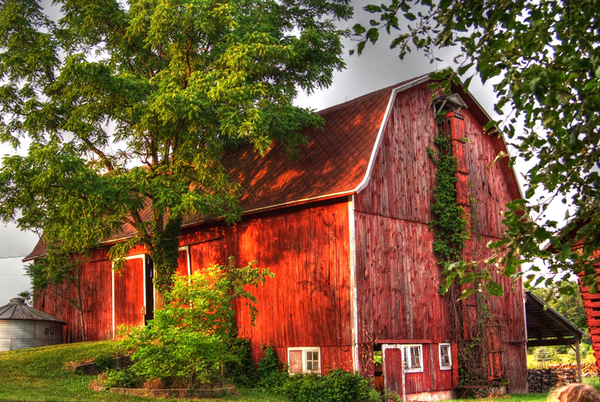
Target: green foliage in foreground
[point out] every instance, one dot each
(544, 59)
(45, 374)
(188, 343)
(39, 375)
(336, 386)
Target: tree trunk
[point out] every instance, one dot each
(159, 300)
(80, 309)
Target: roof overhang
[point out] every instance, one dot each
(546, 327)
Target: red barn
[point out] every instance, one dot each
(345, 230)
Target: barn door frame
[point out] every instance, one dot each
(131, 257)
(188, 257)
(384, 347)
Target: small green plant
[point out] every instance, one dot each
(270, 372)
(125, 378)
(240, 370)
(104, 363)
(543, 356)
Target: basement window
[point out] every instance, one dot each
(304, 360)
(413, 358)
(445, 356)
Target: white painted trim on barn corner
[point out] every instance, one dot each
(131, 257)
(353, 285)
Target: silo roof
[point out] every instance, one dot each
(16, 309)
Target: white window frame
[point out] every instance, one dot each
(408, 363)
(304, 360)
(449, 346)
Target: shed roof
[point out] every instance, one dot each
(16, 309)
(547, 327)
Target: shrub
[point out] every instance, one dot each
(125, 378)
(241, 368)
(189, 341)
(104, 363)
(336, 386)
(270, 371)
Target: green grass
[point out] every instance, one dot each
(40, 374)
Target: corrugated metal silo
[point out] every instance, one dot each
(23, 327)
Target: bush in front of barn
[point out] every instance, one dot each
(336, 386)
(191, 342)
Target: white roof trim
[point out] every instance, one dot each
(379, 139)
(386, 117)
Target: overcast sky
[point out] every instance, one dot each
(378, 67)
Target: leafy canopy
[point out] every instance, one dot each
(128, 108)
(545, 57)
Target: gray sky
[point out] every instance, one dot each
(378, 67)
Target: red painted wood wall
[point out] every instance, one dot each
(96, 289)
(397, 274)
(591, 303)
(307, 303)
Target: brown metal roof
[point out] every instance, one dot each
(546, 327)
(334, 162)
(16, 309)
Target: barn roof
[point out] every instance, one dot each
(336, 161)
(547, 327)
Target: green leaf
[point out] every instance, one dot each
(494, 289)
(371, 8)
(358, 29)
(466, 293)
(361, 46)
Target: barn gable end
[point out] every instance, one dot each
(398, 277)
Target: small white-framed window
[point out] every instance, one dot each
(413, 358)
(445, 356)
(304, 360)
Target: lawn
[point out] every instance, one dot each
(41, 374)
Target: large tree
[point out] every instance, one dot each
(544, 57)
(128, 106)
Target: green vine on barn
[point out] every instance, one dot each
(451, 224)
(451, 221)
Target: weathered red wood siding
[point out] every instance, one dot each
(396, 272)
(129, 294)
(97, 300)
(96, 290)
(591, 303)
(307, 303)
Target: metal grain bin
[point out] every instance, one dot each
(23, 327)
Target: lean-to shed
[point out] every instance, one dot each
(345, 229)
